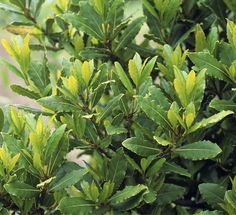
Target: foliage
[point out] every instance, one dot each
(155, 116)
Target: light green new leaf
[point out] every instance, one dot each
(73, 205)
(147, 70)
(200, 39)
(134, 72)
(68, 180)
(201, 150)
(212, 193)
(21, 190)
(123, 77)
(230, 197)
(141, 147)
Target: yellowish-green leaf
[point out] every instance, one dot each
(200, 39)
(190, 82)
(161, 141)
(86, 72)
(180, 90)
(13, 162)
(23, 29)
(189, 119)
(73, 85)
(133, 71)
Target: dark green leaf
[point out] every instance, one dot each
(141, 147)
(24, 92)
(212, 193)
(201, 150)
(73, 205)
(21, 190)
(68, 180)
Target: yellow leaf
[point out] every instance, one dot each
(190, 82)
(86, 73)
(133, 71)
(7, 46)
(22, 29)
(17, 119)
(73, 85)
(180, 90)
(37, 161)
(172, 118)
(79, 43)
(189, 119)
(39, 126)
(232, 71)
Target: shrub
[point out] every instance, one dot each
(156, 117)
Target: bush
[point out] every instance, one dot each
(155, 115)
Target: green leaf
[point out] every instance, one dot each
(147, 70)
(21, 190)
(10, 9)
(129, 33)
(212, 193)
(169, 193)
(94, 53)
(39, 74)
(57, 104)
(53, 141)
(126, 193)
(73, 205)
(209, 213)
(11, 67)
(200, 39)
(117, 169)
(24, 92)
(1, 119)
(155, 112)
(222, 104)
(214, 68)
(201, 150)
(68, 180)
(155, 167)
(88, 20)
(97, 93)
(172, 167)
(57, 157)
(230, 197)
(210, 121)
(141, 147)
(123, 77)
(110, 107)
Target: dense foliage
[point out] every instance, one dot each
(146, 89)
